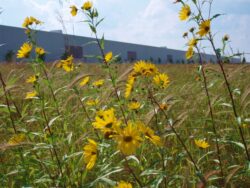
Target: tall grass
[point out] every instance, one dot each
(109, 124)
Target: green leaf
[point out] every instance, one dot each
(93, 29)
(216, 16)
(99, 22)
(102, 42)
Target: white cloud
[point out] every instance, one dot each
(155, 24)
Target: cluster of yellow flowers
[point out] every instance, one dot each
(86, 7)
(67, 64)
(30, 21)
(145, 69)
(204, 29)
(26, 49)
(32, 80)
(128, 137)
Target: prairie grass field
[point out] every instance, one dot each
(68, 123)
(30, 162)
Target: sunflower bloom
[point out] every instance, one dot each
(145, 69)
(150, 135)
(201, 143)
(190, 53)
(123, 184)
(90, 154)
(24, 51)
(161, 80)
(204, 28)
(92, 102)
(31, 95)
(129, 86)
(73, 10)
(87, 5)
(135, 105)
(108, 57)
(193, 42)
(16, 139)
(128, 139)
(40, 51)
(84, 81)
(98, 83)
(28, 21)
(67, 64)
(106, 121)
(184, 13)
(32, 79)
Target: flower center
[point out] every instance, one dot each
(127, 138)
(109, 125)
(207, 28)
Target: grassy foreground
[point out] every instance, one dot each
(46, 147)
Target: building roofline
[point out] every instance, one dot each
(90, 38)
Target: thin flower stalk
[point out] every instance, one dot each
(219, 60)
(210, 110)
(201, 177)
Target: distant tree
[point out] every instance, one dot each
(10, 56)
(151, 59)
(244, 60)
(159, 60)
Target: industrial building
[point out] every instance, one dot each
(82, 48)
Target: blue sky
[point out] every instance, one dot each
(150, 22)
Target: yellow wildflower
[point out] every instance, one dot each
(149, 134)
(106, 121)
(90, 154)
(123, 184)
(108, 57)
(145, 69)
(134, 105)
(129, 86)
(29, 21)
(128, 139)
(67, 64)
(26, 22)
(31, 95)
(92, 102)
(98, 83)
(16, 139)
(73, 10)
(184, 13)
(40, 51)
(32, 79)
(189, 53)
(84, 81)
(162, 80)
(193, 42)
(24, 51)
(201, 143)
(34, 20)
(87, 5)
(204, 28)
